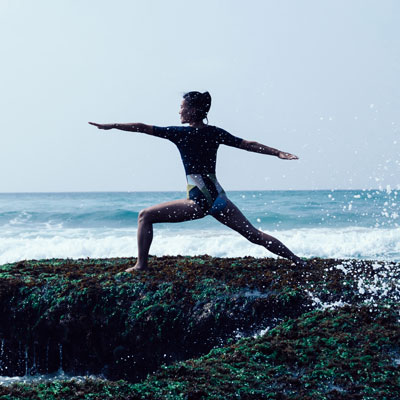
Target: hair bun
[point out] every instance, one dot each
(207, 100)
(200, 102)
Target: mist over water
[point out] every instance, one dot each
(338, 224)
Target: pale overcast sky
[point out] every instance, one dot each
(316, 78)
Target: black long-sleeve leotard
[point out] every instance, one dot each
(198, 148)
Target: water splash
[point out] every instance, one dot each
(371, 284)
(60, 350)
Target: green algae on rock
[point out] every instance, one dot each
(91, 316)
(346, 353)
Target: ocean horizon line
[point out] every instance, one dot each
(184, 191)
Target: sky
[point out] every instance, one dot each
(319, 79)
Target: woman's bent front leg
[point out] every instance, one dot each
(171, 211)
(232, 217)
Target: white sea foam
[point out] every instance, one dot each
(41, 378)
(360, 243)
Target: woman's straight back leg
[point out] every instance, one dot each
(232, 217)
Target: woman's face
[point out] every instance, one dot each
(186, 112)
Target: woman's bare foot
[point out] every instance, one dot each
(136, 267)
(301, 262)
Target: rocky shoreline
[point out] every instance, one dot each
(150, 333)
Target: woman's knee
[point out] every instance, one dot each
(144, 216)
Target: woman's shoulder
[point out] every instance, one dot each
(209, 128)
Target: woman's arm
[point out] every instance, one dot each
(262, 149)
(131, 127)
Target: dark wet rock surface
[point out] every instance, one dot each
(89, 316)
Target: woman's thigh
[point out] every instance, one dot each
(172, 211)
(232, 217)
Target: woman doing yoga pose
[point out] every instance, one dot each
(198, 144)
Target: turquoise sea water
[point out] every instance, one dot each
(338, 224)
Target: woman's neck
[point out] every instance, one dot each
(197, 124)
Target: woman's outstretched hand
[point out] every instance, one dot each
(287, 156)
(102, 126)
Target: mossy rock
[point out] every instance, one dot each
(91, 316)
(347, 353)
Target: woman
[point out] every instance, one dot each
(198, 144)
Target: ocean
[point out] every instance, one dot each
(361, 224)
